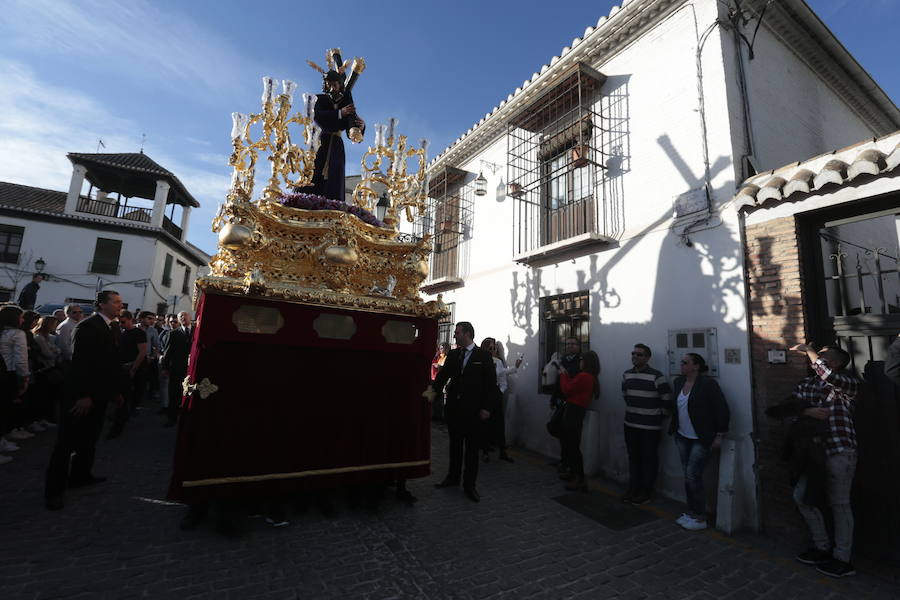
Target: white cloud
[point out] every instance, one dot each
(40, 123)
(139, 41)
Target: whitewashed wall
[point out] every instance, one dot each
(650, 281)
(68, 250)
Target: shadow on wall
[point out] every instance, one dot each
(707, 277)
(615, 147)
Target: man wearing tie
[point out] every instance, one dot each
(174, 363)
(96, 383)
(471, 391)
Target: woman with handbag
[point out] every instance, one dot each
(699, 423)
(579, 392)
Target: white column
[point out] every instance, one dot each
(75, 186)
(159, 203)
(185, 217)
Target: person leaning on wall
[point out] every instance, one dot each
(699, 424)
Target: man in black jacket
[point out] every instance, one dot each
(892, 364)
(471, 391)
(175, 363)
(96, 383)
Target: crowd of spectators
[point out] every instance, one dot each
(37, 369)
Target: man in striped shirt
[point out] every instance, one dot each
(647, 401)
(833, 399)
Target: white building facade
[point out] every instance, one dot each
(609, 211)
(110, 231)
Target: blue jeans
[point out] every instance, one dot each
(693, 460)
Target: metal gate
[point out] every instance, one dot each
(853, 298)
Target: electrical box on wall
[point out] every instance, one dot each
(699, 341)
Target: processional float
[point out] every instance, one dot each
(312, 344)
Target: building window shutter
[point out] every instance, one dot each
(186, 284)
(10, 243)
(167, 271)
(106, 256)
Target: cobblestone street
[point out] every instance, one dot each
(121, 540)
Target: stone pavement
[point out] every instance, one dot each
(120, 540)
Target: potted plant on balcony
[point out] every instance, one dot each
(514, 190)
(447, 226)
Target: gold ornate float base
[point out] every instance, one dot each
(323, 257)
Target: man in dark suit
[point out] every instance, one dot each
(95, 383)
(471, 391)
(175, 362)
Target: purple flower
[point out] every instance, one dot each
(316, 202)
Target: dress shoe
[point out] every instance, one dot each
(472, 494)
(506, 457)
(54, 503)
(447, 482)
(486, 457)
(89, 480)
(192, 519)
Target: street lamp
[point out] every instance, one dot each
(39, 265)
(382, 206)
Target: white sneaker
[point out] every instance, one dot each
(7, 446)
(36, 427)
(5, 459)
(692, 524)
(683, 518)
(19, 434)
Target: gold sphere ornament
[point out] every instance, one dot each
(233, 236)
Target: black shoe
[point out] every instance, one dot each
(628, 496)
(472, 494)
(192, 519)
(567, 475)
(814, 556)
(161, 412)
(506, 457)
(639, 499)
(486, 457)
(836, 568)
(447, 482)
(114, 433)
(89, 480)
(54, 503)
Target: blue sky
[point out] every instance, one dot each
(73, 72)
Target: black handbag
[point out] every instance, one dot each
(555, 424)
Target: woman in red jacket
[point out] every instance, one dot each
(579, 392)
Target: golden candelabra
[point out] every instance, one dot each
(287, 159)
(404, 190)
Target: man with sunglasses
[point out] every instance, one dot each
(66, 329)
(648, 400)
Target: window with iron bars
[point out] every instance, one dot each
(553, 159)
(563, 316)
(448, 219)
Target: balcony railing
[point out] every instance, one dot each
(107, 268)
(115, 210)
(171, 227)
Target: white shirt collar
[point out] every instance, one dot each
(470, 347)
(105, 318)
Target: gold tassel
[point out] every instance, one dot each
(316, 67)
